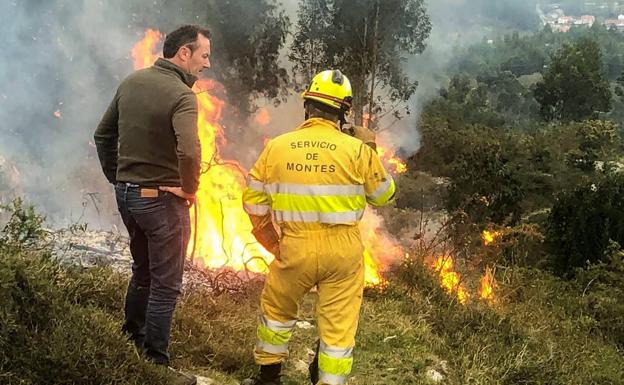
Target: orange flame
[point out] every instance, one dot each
(143, 52)
(372, 275)
(488, 284)
(395, 164)
(489, 237)
(262, 117)
(224, 236)
(223, 228)
(449, 279)
(381, 249)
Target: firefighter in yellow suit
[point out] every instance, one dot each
(313, 184)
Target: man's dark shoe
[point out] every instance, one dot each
(269, 375)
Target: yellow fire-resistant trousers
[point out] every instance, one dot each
(332, 259)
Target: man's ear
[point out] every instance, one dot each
(182, 53)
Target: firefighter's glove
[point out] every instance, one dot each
(365, 135)
(267, 236)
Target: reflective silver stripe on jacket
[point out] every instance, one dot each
(314, 190)
(315, 216)
(256, 209)
(255, 185)
(381, 189)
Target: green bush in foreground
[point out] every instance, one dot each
(54, 323)
(46, 337)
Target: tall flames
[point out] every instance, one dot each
(223, 229)
(394, 164)
(143, 53)
(450, 279)
(222, 237)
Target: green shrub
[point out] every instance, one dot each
(23, 227)
(419, 191)
(582, 223)
(520, 245)
(56, 323)
(49, 337)
(602, 288)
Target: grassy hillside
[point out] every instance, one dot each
(60, 325)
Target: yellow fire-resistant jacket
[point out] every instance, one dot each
(316, 177)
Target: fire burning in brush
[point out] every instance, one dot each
(223, 229)
(381, 249)
(450, 280)
(394, 164)
(489, 237)
(488, 284)
(223, 235)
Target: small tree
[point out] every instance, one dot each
(574, 87)
(366, 40)
(583, 222)
(486, 177)
(247, 38)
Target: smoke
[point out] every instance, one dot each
(63, 59)
(62, 62)
(456, 24)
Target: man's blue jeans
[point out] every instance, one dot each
(159, 230)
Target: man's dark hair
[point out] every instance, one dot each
(316, 109)
(185, 35)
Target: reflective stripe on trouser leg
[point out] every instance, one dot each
(334, 364)
(273, 336)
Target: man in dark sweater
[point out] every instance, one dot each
(148, 147)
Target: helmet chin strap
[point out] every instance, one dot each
(343, 120)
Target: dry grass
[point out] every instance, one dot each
(61, 326)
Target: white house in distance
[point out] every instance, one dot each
(615, 23)
(563, 23)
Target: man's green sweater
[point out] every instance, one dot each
(148, 134)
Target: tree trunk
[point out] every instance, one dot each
(373, 66)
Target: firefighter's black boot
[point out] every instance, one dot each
(269, 375)
(314, 367)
